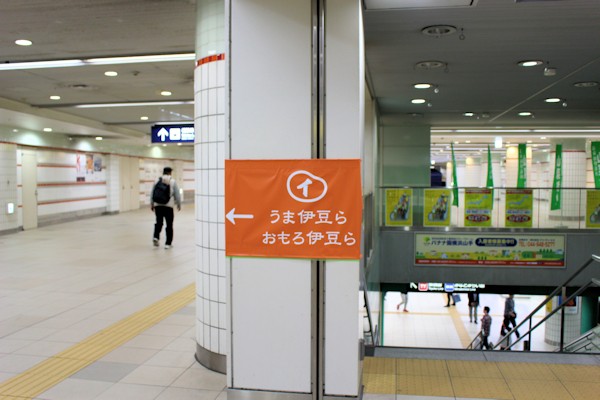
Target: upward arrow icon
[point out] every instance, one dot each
(162, 134)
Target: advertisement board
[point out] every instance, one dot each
(478, 207)
(398, 207)
(437, 207)
(592, 207)
(488, 249)
(519, 208)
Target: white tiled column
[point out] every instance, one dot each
(210, 149)
(8, 187)
(112, 183)
(573, 176)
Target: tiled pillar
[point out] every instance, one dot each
(572, 209)
(210, 150)
(8, 188)
(473, 172)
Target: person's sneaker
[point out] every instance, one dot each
(167, 246)
(155, 241)
(405, 310)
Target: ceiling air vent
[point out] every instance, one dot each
(406, 4)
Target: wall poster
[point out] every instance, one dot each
(519, 208)
(398, 207)
(436, 207)
(592, 206)
(478, 207)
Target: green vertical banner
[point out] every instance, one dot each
(454, 179)
(557, 183)
(522, 177)
(595, 147)
(490, 176)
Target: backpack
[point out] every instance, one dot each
(161, 193)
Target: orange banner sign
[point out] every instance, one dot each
(293, 208)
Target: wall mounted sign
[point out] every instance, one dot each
(437, 207)
(478, 207)
(293, 208)
(398, 207)
(519, 208)
(173, 133)
(490, 249)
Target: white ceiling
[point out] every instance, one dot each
(481, 75)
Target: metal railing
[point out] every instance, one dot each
(586, 343)
(559, 290)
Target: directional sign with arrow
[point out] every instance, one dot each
(293, 208)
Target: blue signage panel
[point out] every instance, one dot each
(173, 133)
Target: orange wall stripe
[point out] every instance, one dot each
(205, 60)
(45, 203)
(47, 165)
(71, 183)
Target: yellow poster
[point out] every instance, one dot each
(592, 214)
(519, 208)
(436, 207)
(478, 207)
(398, 207)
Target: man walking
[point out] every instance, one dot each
(510, 316)
(165, 195)
(486, 326)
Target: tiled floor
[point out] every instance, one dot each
(64, 285)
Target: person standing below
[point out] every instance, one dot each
(450, 298)
(165, 195)
(510, 316)
(473, 304)
(403, 300)
(486, 326)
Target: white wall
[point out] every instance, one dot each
(8, 187)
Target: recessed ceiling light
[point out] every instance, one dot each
(418, 101)
(144, 118)
(553, 100)
(529, 63)
(422, 85)
(457, 142)
(525, 114)
(432, 64)
(438, 30)
(47, 129)
(99, 137)
(469, 114)
(164, 145)
(543, 137)
(585, 84)
(15, 130)
(165, 93)
(179, 144)
(468, 141)
(529, 141)
(111, 73)
(54, 97)
(23, 42)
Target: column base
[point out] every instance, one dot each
(213, 361)
(246, 394)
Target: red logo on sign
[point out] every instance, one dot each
(423, 287)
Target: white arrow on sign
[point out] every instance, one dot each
(231, 216)
(162, 134)
(413, 285)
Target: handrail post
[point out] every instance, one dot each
(529, 332)
(562, 319)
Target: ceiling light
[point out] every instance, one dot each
(111, 73)
(549, 71)
(135, 104)
(457, 142)
(469, 114)
(418, 101)
(99, 137)
(438, 30)
(585, 84)
(430, 64)
(179, 144)
(422, 85)
(553, 100)
(23, 42)
(165, 93)
(468, 141)
(142, 59)
(15, 130)
(529, 63)
(525, 114)
(144, 118)
(543, 137)
(498, 142)
(529, 141)
(54, 97)
(96, 61)
(47, 129)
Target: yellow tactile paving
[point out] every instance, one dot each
(526, 371)
(48, 373)
(379, 383)
(473, 369)
(569, 372)
(409, 366)
(373, 365)
(424, 385)
(539, 390)
(583, 391)
(459, 326)
(488, 388)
